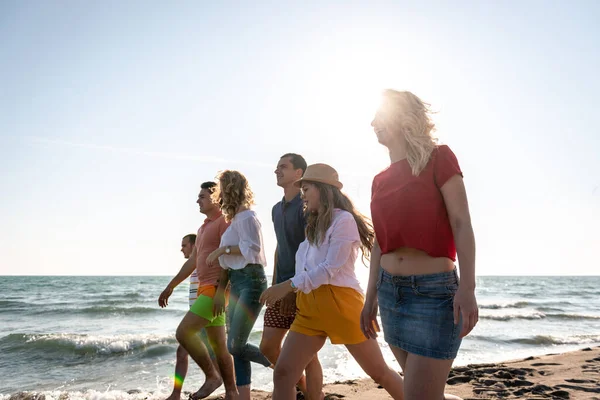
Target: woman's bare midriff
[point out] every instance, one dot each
(406, 261)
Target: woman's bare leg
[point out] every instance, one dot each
(297, 352)
(369, 357)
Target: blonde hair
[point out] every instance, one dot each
(412, 116)
(317, 223)
(232, 191)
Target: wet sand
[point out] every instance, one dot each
(572, 375)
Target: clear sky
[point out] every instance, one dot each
(112, 113)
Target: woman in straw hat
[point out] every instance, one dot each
(421, 219)
(330, 298)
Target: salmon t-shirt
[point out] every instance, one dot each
(207, 241)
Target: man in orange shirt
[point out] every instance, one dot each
(201, 314)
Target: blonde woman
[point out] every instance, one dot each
(242, 255)
(329, 297)
(421, 219)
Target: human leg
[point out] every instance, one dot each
(369, 357)
(246, 287)
(181, 367)
(275, 328)
(425, 378)
(297, 352)
(270, 343)
(218, 340)
(204, 337)
(187, 335)
(314, 380)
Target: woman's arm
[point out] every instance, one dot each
(455, 198)
(250, 245)
(368, 317)
(213, 258)
(373, 272)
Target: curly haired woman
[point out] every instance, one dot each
(241, 254)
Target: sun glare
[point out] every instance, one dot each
(342, 106)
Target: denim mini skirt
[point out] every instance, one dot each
(417, 313)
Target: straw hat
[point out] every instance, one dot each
(321, 173)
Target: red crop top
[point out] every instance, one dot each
(409, 211)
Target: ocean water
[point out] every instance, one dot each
(106, 337)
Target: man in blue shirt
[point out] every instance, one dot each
(290, 223)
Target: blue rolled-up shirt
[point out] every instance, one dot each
(290, 223)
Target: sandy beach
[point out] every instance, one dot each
(572, 375)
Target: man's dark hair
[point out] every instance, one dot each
(191, 237)
(297, 161)
(209, 186)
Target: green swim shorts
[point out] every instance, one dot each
(203, 307)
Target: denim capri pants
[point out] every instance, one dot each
(417, 313)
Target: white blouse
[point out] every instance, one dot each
(245, 232)
(332, 262)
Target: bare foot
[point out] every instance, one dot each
(210, 385)
(231, 395)
(174, 396)
(451, 397)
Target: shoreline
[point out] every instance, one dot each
(569, 375)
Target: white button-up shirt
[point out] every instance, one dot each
(332, 262)
(245, 231)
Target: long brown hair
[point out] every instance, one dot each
(318, 222)
(233, 191)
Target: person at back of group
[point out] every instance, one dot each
(181, 364)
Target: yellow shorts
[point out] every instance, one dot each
(331, 311)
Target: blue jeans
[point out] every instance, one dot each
(247, 284)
